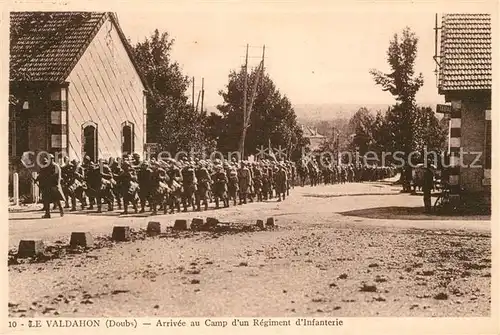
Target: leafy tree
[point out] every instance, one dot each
(361, 127)
(171, 122)
(272, 117)
(338, 135)
(430, 133)
(402, 83)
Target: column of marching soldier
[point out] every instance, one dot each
(169, 185)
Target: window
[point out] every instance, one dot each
(89, 141)
(127, 137)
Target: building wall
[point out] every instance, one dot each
(472, 143)
(105, 89)
(315, 142)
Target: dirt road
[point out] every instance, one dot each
(335, 252)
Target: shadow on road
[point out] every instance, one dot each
(312, 195)
(408, 213)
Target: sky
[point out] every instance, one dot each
(314, 55)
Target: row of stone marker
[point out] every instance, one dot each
(33, 248)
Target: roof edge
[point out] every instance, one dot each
(114, 18)
(84, 47)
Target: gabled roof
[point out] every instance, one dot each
(310, 133)
(465, 62)
(46, 46)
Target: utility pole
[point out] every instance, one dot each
(245, 87)
(193, 95)
(248, 111)
(263, 56)
(202, 92)
(197, 102)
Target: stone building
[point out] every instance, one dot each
(465, 74)
(74, 87)
(315, 139)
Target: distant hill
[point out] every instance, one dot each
(307, 113)
(317, 112)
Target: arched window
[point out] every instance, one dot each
(89, 141)
(127, 137)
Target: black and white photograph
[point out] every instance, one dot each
(297, 165)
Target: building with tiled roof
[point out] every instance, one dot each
(465, 73)
(465, 62)
(315, 139)
(75, 87)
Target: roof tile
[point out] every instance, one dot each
(465, 52)
(45, 45)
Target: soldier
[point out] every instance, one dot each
(88, 167)
(136, 162)
(49, 180)
(270, 177)
(173, 182)
(107, 185)
(144, 180)
(116, 171)
(244, 180)
(250, 191)
(257, 181)
(220, 186)
(350, 174)
(326, 175)
(204, 182)
(174, 173)
(189, 185)
(280, 181)
(407, 177)
(428, 185)
(72, 184)
(160, 192)
(266, 184)
(66, 168)
(313, 173)
(233, 185)
(93, 182)
(129, 187)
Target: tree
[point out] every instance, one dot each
(402, 83)
(338, 134)
(172, 122)
(430, 133)
(360, 128)
(272, 119)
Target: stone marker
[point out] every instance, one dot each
(270, 222)
(121, 233)
(212, 222)
(81, 239)
(180, 225)
(153, 228)
(197, 224)
(30, 248)
(260, 224)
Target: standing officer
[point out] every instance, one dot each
(428, 185)
(50, 184)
